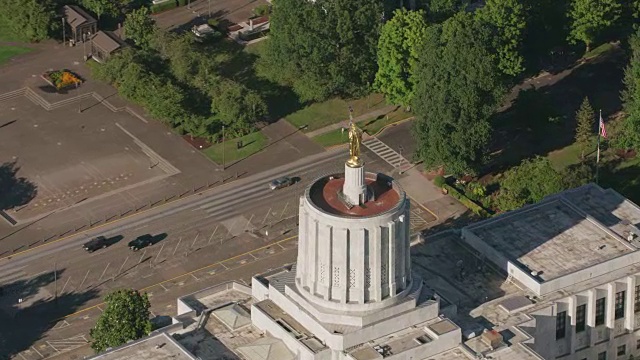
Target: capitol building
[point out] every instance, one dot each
(554, 280)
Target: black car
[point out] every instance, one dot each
(98, 243)
(141, 242)
(280, 183)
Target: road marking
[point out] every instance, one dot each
(38, 352)
(188, 273)
(422, 206)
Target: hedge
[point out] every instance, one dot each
(477, 209)
(439, 181)
(158, 8)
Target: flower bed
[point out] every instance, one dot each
(61, 79)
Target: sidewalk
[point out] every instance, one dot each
(345, 123)
(424, 192)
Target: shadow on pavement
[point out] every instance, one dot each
(25, 322)
(14, 191)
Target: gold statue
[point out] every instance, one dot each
(355, 140)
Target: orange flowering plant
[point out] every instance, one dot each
(62, 78)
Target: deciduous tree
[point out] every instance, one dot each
(237, 107)
(32, 20)
(584, 126)
(397, 55)
(528, 183)
(589, 18)
(323, 48)
(440, 10)
(125, 317)
(101, 7)
(458, 87)
(508, 20)
(139, 26)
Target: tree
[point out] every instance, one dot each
(237, 107)
(139, 26)
(589, 18)
(584, 126)
(628, 137)
(32, 20)
(577, 175)
(440, 10)
(397, 55)
(323, 48)
(458, 88)
(101, 7)
(528, 183)
(126, 317)
(508, 19)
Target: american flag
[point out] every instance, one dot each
(603, 131)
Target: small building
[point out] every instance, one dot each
(80, 22)
(103, 44)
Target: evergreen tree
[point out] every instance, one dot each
(628, 136)
(584, 126)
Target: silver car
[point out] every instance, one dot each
(279, 183)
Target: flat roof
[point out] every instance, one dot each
(551, 238)
(156, 347)
(325, 194)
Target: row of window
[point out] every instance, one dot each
(581, 313)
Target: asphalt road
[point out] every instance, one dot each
(203, 237)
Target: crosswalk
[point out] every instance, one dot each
(387, 153)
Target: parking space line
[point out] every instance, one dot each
(191, 272)
(37, 352)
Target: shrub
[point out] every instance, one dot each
(183, 2)
(262, 10)
(439, 181)
(158, 8)
(475, 208)
(213, 23)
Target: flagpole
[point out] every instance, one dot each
(598, 153)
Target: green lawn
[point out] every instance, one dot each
(329, 112)
(253, 143)
(332, 138)
(7, 52)
(604, 48)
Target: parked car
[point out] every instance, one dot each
(98, 243)
(141, 242)
(279, 183)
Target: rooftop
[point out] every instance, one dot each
(107, 42)
(76, 16)
(552, 239)
(325, 194)
(155, 347)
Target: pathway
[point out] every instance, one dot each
(343, 124)
(387, 154)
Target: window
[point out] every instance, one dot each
(602, 356)
(636, 303)
(622, 349)
(619, 305)
(561, 324)
(581, 317)
(637, 344)
(600, 304)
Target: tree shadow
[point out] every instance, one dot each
(14, 191)
(542, 119)
(241, 67)
(36, 316)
